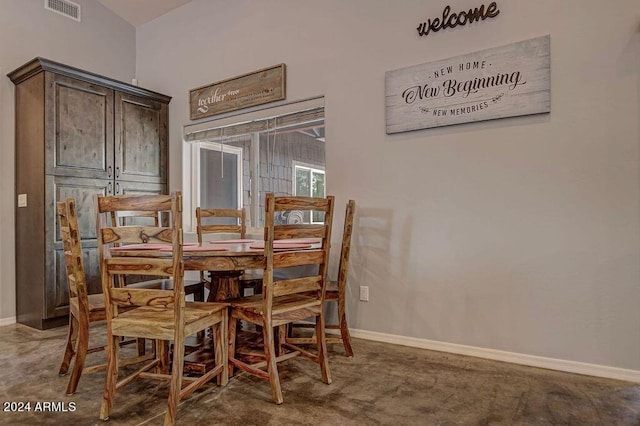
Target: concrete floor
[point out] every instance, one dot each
(383, 384)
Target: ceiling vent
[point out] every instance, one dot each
(64, 7)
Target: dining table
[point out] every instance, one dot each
(232, 257)
(227, 259)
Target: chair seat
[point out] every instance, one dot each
(97, 310)
(158, 323)
(303, 307)
(96, 302)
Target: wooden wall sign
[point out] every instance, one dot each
(505, 81)
(247, 90)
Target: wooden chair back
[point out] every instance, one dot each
(131, 218)
(203, 227)
(70, 233)
(343, 267)
(203, 216)
(109, 235)
(274, 259)
(337, 291)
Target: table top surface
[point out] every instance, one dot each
(219, 248)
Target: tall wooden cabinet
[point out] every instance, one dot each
(77, 134)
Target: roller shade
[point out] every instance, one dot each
(280, 119)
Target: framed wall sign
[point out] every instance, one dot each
(244, 91)
(505, 81)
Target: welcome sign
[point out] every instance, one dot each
(505, 81)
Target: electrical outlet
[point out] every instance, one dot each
(364, 293)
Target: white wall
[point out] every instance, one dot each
(102, 43)
(518, 234)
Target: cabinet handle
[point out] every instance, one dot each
(117, 188)
(109, 188)
(117, 172)
(109, 171)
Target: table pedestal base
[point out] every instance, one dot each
(224, 285)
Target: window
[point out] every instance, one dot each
(309, 182)
(234, 161)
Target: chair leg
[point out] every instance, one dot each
(162, 353)
(282, 337)
(220, 333)
(141, 343)
(111, 378)
(344, 329)
(272, 366)
(82, 347)
(198, 296)
(176, 380)
(232, 323)
(321, 344)
(69, 351)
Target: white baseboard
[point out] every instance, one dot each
(7, 321)
(516, 358)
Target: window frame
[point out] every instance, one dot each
(195, 172)
(313, 168)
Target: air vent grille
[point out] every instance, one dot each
(64, 7)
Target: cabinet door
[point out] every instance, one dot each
(141, 139)
(79, 128)
(83, 191)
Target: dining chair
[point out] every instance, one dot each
(84, 308)
(136, 217)
(336, 291)
(287, 300)
(163, 315)
(248, 280)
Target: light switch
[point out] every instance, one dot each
(22, 200)
(364, 293)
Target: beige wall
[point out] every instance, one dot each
(101, 43)
(518, 234)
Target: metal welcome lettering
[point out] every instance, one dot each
(452, 20)
(501, 82)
